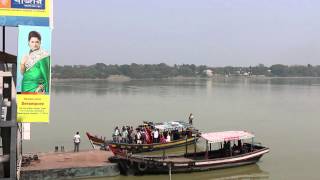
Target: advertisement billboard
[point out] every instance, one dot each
(33, 74)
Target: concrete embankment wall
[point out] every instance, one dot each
(70, 165)
(71, 173)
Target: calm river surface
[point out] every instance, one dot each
(282, 113)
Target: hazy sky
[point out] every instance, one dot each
(210, 32)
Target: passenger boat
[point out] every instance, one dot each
(181, 133)
(220, 155)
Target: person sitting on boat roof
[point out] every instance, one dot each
(116, 134)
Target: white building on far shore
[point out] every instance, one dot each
(208, 72)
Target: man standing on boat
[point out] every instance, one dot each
(191, 117)
(116, 134)
(155, 136)
(76, 140)
(139, 136)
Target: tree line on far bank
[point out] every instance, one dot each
(162, 70)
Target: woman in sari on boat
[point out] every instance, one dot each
(35, 67)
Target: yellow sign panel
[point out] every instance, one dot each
(33, 107)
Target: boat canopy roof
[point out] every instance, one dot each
(172, 125)
(215, 137)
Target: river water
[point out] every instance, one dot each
(283, 113)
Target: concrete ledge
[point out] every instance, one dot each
(70, 165)
(71, 173)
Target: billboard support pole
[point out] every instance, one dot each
(3, 38)
(4, 44)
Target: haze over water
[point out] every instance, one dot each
(282, 113)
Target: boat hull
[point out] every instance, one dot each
(179, 164)
(119, 148)
(98, 143)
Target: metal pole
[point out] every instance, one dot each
(3, 38)
(163, 154)
(186, 146)
(21, 140)
(169, 170)
(195, 147)
(206, 149)
(252, 144)
(14, 130)
(4, 45)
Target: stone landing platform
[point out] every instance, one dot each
(70, 165)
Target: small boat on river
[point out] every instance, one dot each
(181, 133)
(99, 143)
(219, 154)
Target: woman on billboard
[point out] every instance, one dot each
(35, 66)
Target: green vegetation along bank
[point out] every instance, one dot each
(162, 70)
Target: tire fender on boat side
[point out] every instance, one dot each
(159, 165)
(142, 166)
(129, 164)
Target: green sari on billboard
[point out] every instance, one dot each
(36, 77)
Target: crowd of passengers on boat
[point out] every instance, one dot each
(238, 148)
(145, 135)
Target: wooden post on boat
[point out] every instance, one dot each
(169, 165)
(186, 146)
(195, 146)
(206, 156)
(252, 145)
(163, 154)
(230, 148)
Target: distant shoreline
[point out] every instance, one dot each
(120, 78)
(127, 72)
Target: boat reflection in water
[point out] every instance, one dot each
(249, 172)
(240, 173)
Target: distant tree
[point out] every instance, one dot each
(162, 70)
(259, 70)
(279, 70)
(186, 70)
